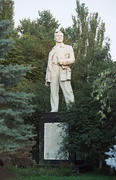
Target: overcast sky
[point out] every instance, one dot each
(63, 9)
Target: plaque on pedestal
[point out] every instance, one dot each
(51, 133)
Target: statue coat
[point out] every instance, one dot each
(65, 56)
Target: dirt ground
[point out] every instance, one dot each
(7, 175)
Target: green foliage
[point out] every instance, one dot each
(104, 91)
(59, 174)
(43, 27)
(11, 75)
(48, 171)
(91, 50)
(33, 43)
(87, 135)
(6, 9)
(5, 43)
(91, 177)
(14, 106)
(47, 25)
(90, 133)
(36, 39)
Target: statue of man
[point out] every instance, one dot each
(58, 72)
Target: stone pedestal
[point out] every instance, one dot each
(50, 140)
(51, 134)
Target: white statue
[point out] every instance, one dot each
(59, 73)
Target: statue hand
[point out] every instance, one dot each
(47, 83)
(60, 62)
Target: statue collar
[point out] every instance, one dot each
(62, 45)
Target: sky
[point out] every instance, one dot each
(63, 10)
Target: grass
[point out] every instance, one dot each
(59, 174)
(86, 177)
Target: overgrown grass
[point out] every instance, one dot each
(59, 174)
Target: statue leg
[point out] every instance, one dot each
(54, 88)
(67, 92)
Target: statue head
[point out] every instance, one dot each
(58, 36)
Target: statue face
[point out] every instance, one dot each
(59, 37)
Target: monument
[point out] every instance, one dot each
(51, 131)
(58, 74)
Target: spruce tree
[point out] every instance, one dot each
(14, 106)
(6, 9)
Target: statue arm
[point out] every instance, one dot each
(68, 60)
(48, 69)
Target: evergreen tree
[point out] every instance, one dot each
(14, 106)
(34, 43)
(6, 9)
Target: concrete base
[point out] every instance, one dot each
(51, 135)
